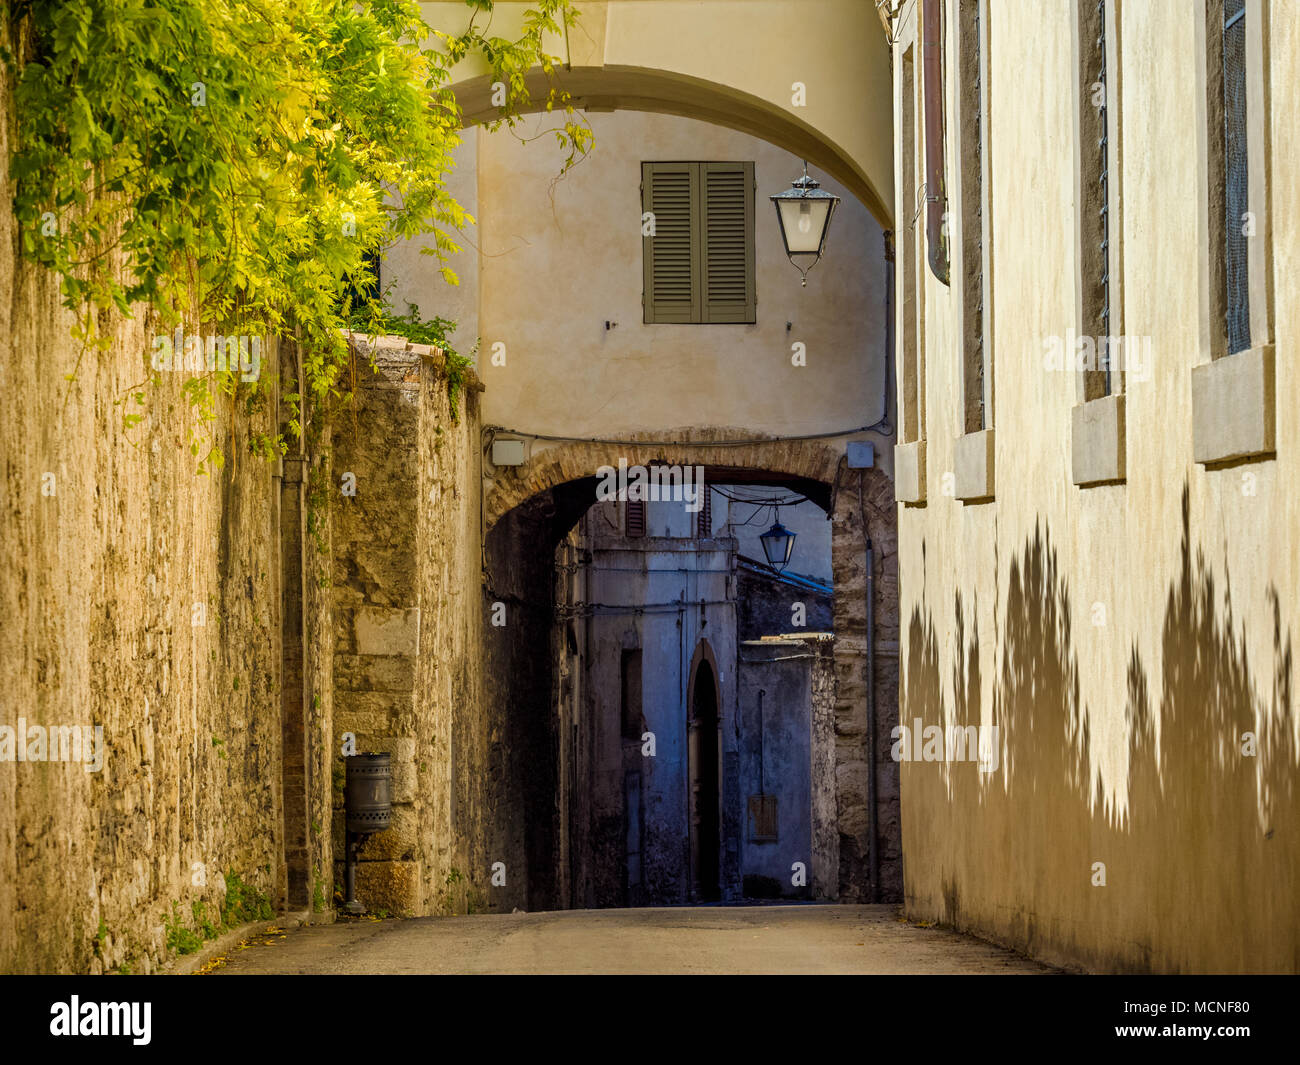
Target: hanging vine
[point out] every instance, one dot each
(241, 163)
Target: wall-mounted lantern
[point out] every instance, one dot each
(368, 808)
(804, 211)
(778, 545)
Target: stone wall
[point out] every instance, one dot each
(763, 605)
(140, 596)
(408, 629)
(202, 619)
(863, 509)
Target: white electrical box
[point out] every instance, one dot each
(862, 454)
(507, 452)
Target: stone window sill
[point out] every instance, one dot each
(973, 477)
(1234, 403)
(1097, 442)
(909, 472)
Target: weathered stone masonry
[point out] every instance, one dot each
(408, 652)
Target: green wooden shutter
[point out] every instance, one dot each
(727, 232)
(672, 256)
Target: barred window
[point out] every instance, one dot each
(634, 517)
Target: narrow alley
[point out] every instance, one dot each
(650, 487)
(695, 940)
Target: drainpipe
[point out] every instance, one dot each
(873, 822)
(883, 425)
(292, 476)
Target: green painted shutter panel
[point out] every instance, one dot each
(727, 232)
(672, 256)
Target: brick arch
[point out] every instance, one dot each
(553, 464)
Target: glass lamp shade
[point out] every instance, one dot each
(803, 223)
(778, 545)
(804, 212)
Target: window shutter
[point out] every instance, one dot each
(634, 518)
(670, 191)
(727, 228)
(704, 519)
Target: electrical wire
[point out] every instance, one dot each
(771, 501)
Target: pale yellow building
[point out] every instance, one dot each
(1102, 565)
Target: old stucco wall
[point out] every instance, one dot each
(735, 64)
(581, 234)
(789, 755)
(551, 261)
(1125, 637)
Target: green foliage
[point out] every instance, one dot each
(457, 886)
(243, 903)
(180, 938)
(379, 320)
(204, 927)
(511, 61)
(237, 164)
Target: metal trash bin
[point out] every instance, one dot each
(368, 797)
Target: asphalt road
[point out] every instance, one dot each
(708, 939)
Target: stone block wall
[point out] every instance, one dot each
(856, 516)
(138, 595)
(407, 648)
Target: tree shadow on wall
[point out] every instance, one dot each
(1200, 868)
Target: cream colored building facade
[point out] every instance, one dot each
(1111, 580)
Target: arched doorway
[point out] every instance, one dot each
(608, 820)
(705, 776)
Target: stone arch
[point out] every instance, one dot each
(554, 464)
(525, 506)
